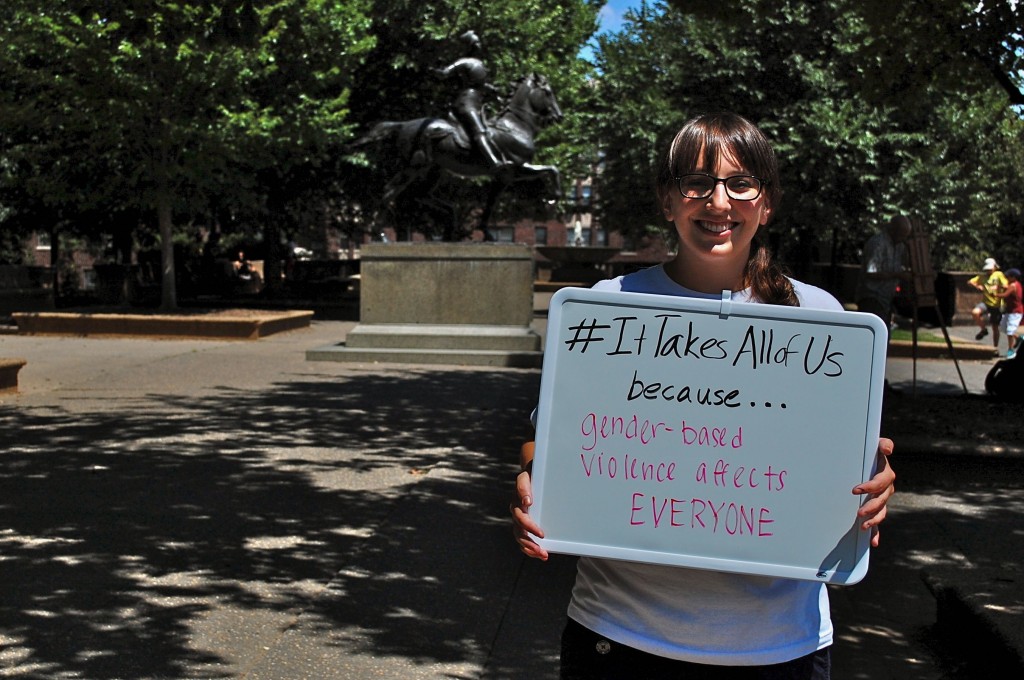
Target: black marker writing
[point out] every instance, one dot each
(579, 329)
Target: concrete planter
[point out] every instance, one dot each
(223, 325)
(939, 350)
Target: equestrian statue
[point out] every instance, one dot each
(466, 144)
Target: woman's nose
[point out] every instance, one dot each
(719, 198)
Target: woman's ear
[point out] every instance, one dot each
(766, 213)
(666, 207)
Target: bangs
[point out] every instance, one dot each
(706, 140)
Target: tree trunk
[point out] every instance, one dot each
(168, 290)
(272, 259)
(55, 259)
(122, 241)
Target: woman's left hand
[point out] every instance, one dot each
(880, 489)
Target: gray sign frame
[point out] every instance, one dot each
(708, 433)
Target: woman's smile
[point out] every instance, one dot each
(716, 227)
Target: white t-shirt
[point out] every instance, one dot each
(697, 615)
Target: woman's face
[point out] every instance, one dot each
(717, 230)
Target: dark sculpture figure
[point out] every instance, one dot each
(468, 106)
(466, 144)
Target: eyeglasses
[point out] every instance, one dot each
(702, 185)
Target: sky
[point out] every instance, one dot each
(611, 14)
(610, 19)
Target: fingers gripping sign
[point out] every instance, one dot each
(879, 489)
(523, 526)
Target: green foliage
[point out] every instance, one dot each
(943, 44)
(238, 113)
(12, 248)
(171, 108)
(864, 121)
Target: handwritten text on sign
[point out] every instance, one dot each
(669, 432)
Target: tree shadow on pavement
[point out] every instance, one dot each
(132, 531)
(364, 516)
(960, 495)
(952, 420)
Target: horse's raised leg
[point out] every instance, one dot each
(550, 172)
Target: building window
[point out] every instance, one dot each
(581, 194)
(585, 192)
(504, 234)
(540, 236)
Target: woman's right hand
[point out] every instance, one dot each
(522, 524)
(523, 527)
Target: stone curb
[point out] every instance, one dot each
(9, 374)
(221, 326)
(939, 350)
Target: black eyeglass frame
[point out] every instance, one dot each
(724, 181)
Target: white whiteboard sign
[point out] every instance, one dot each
(708, 433)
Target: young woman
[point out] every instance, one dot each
(718, 187)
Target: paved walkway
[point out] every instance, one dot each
(206, 509)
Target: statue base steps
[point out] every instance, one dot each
(464, 344)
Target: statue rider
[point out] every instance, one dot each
(468, 105)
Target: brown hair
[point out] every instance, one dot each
(728, 134)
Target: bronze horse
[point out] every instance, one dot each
(426, 147)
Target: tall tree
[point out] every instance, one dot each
(910, 47)
(945, 43)
(156, 105)
(851, 153)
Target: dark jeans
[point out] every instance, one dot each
(588, 656)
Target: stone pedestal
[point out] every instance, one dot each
(443, 303)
